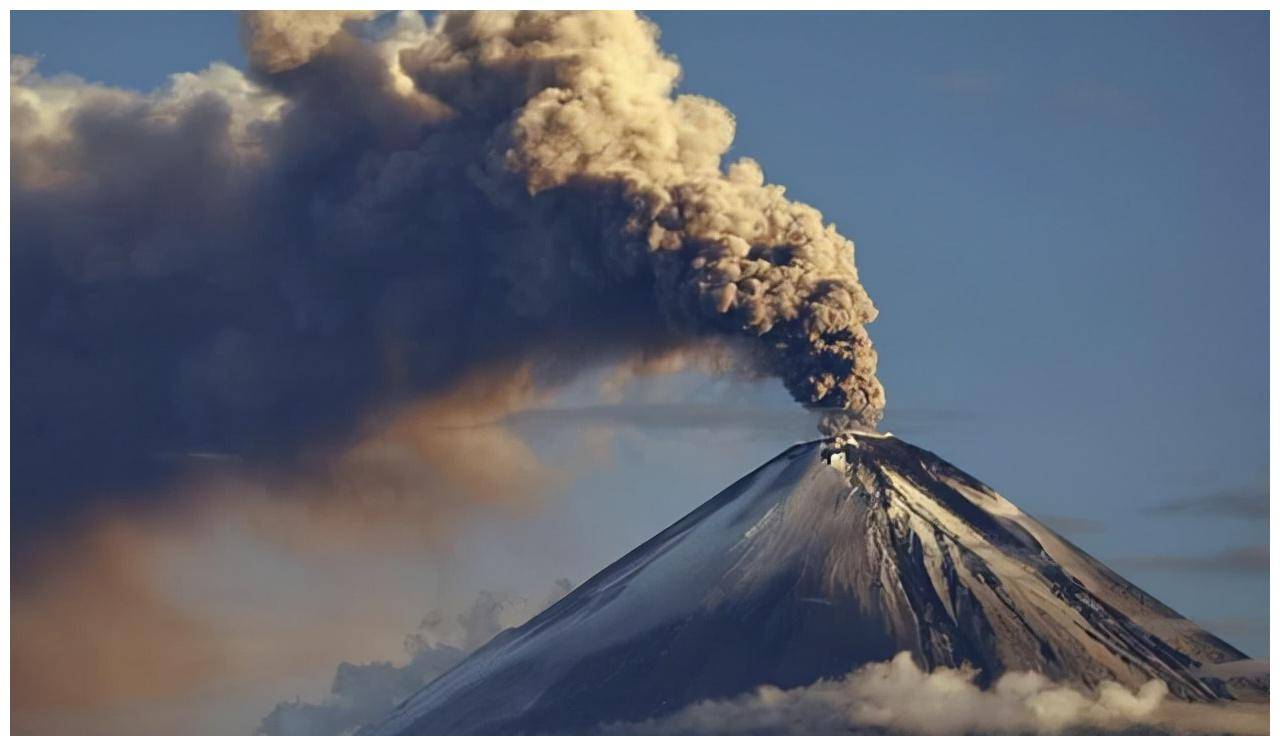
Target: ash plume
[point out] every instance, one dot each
(378, 211)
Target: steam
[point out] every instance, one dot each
(896, 696)
(380, 211)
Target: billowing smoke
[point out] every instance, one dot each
(379, 211)
(897, 697)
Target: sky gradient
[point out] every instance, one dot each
(1063, 219)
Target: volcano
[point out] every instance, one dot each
(838, 553)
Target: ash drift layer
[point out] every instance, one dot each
(382, 210)
(834, 555)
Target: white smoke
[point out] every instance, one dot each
(898, 697)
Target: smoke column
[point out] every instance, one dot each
(379, 210)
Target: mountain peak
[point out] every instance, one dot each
(837, 553)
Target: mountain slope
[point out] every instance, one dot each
(835, 554)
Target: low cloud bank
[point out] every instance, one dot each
(898, 697)
(365, 692)
(361, 693)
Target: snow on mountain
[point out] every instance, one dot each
(837, 553)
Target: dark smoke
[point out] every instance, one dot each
(251, 264)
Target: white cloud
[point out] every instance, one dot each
(896, 696)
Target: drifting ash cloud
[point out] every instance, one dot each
(328, 267)
(254, 263)
(94, 632)
(897, 697)
(325, 270)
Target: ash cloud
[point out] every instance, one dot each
(95, 632)
(897, 697)
(661, 415)
(255, 263)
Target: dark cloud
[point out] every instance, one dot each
(255, 264)
(289, 295)
(1247, 503)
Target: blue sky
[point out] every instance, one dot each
(1063, 219)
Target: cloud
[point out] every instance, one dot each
(898, 697)
(668, 416)
(361, 693)
(303, 298)
(95, 632)
(282, 40)
(378, 214)
(155, 621)
(1250, 560)
(713, 415)
(417, 474)
(364, 693)
(1246, 503)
